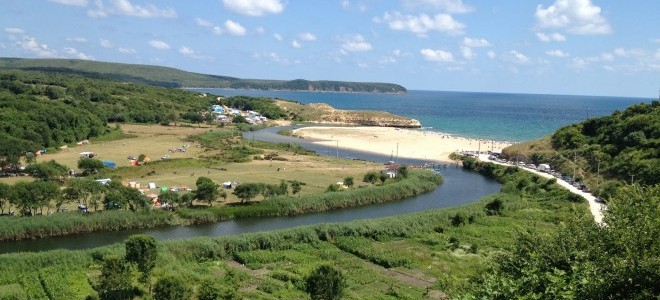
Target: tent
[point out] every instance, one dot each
(109, 164)
(152, 185)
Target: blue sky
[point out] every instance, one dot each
(583, 47)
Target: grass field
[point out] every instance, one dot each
(183, 168)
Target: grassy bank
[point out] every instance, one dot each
(74, 223)
(414, 256)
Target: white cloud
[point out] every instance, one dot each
(76, 39)
(422, 24)
(217, 30)
(234, 28)
(30, 44)
(518, 57)
(576, 16)
(475, 43)
(271, 56)
(467, 53)
(355, 44)
(295, 44)
(448, 6)
(578, 63)
(386, 60)
(203, 23)
(655, 41)
(396, 52)
(260, 30)
(126, 8)
(160, 45)
(126, 50)
(277, 37)
(71, 2)
(105, 43)
(73, 52)
(14, 30)
(362, 65)
(437, 55)
(306, 36)
(557, 53)
(491, 54)
(607, 57)
(553, 37)
(255, 8)
(187, 51)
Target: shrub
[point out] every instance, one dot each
(171, 288)
(325, 283)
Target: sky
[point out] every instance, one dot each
(576, 47)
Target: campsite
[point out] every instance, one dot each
(184, 167)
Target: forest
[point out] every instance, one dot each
(603, 152)
(41, 110)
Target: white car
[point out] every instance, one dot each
(165, 157)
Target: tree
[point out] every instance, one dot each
(403, 171)
(33, 195)
(325, 283)
(582, 260)
(115, 279)
(382, 177)
(296, 187)
(169, 197)
(48, 171)
(187, 198)
(142, 250)
(90, 165)
(247, 191)
(348, 181)
(238, 119)
(370, 177)
(85, 190)
(171, 288)
(5, 197)
(207, 190)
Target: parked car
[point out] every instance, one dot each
(165, 157)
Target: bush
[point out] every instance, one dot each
(494, 207)
(325, 283)
(171, 288)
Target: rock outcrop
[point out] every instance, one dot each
(326, 114)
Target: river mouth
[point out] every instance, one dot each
(460, 187)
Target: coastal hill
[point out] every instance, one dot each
(326, 114)
(604, 152)
(171, 77)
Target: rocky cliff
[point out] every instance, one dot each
(326, 114)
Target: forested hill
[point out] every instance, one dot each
(622, 147)
(170, 77)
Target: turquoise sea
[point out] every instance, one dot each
(494, 116)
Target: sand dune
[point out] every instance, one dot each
(385, 141)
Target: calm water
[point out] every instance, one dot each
(460, 187)
(495, 116)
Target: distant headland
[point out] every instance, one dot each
(175, 78)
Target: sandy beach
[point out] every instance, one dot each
(386, 140)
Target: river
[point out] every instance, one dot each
(460, 187)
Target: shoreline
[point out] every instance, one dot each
(396, 142)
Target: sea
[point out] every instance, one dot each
(491, 116)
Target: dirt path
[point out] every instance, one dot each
(595, 208)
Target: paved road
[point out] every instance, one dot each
(595, 208)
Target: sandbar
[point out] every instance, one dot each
(388, 141)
